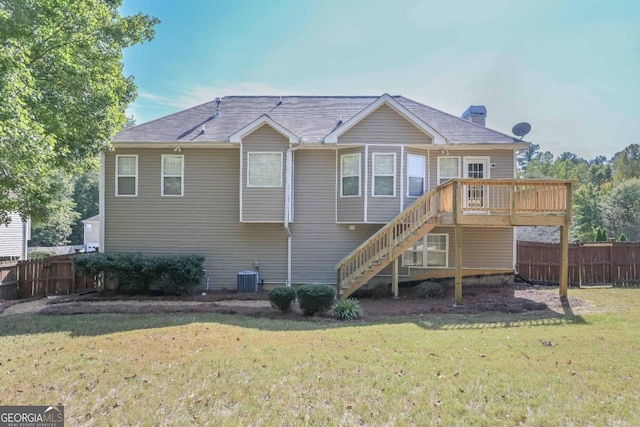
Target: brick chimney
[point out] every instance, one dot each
(476, 114)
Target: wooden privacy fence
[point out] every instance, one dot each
(8, 280)
(53, 275)
(611, 263)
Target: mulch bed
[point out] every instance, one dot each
(477, 299)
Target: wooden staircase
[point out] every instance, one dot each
(385, 246)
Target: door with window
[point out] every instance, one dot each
(476, 195)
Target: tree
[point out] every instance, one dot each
(55, 227)
(627, 163)
(526, 156)
(540, 166)
(85, 196)
(588, 203)
(62, 93)
(623, 210)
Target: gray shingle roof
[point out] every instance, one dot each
(311, 118)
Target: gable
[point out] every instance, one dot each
(384, 126)
(259, 123)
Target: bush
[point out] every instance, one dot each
(40, 254)
(348, 309)
(282, 297)
(135, 273)
(430, 289)
(179, 274)
(315, 298)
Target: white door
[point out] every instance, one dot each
(476, 168)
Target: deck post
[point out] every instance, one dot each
(564, 260)
(458, 277)
(394, 278)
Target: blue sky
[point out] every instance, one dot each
(570, 68)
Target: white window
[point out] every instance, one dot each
(264, 169)
(431, 251)
(350, 175)
(172, 174)
(126, 175)
(384, 174)
(415, 175)
(448, 168)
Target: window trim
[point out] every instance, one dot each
(424, 174)
(374, 175)
(118, 156)
(425, 253)
(342, 175)
(249, 154)
(163, 175)
(439, 177)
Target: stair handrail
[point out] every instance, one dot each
(394, 222)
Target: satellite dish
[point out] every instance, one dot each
(521, 129)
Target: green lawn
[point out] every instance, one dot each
(206, 369)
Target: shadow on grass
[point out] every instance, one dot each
(102, 324)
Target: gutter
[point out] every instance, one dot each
(288, 204)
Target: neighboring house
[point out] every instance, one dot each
(292, 186)
(14, 238)
(91, 239)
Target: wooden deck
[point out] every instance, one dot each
(461, 203)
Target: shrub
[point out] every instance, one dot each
(315, 298)
(348, 309)
(179, 274)
(430, 289)
(135, 273)
(282, 297)
(40, 254)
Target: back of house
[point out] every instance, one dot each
(289, 186)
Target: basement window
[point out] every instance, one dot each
(432, 251)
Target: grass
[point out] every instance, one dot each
(207, 369)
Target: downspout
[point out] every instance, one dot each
(101, 203)
(26, 236)
(288, 202)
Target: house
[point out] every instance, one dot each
(91, 235)
(347, 190)
(14, 238)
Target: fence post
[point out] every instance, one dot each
(612, 276)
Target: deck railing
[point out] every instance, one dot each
(515, 196)
(453, 199)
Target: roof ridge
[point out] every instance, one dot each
(302, 96)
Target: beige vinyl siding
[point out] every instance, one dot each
(384, 126)
(349, 209)
(204, 221)
(504, 160)
(381, 209)
(487, 248)
(263, 204)
(11, 237)
(318, 243)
